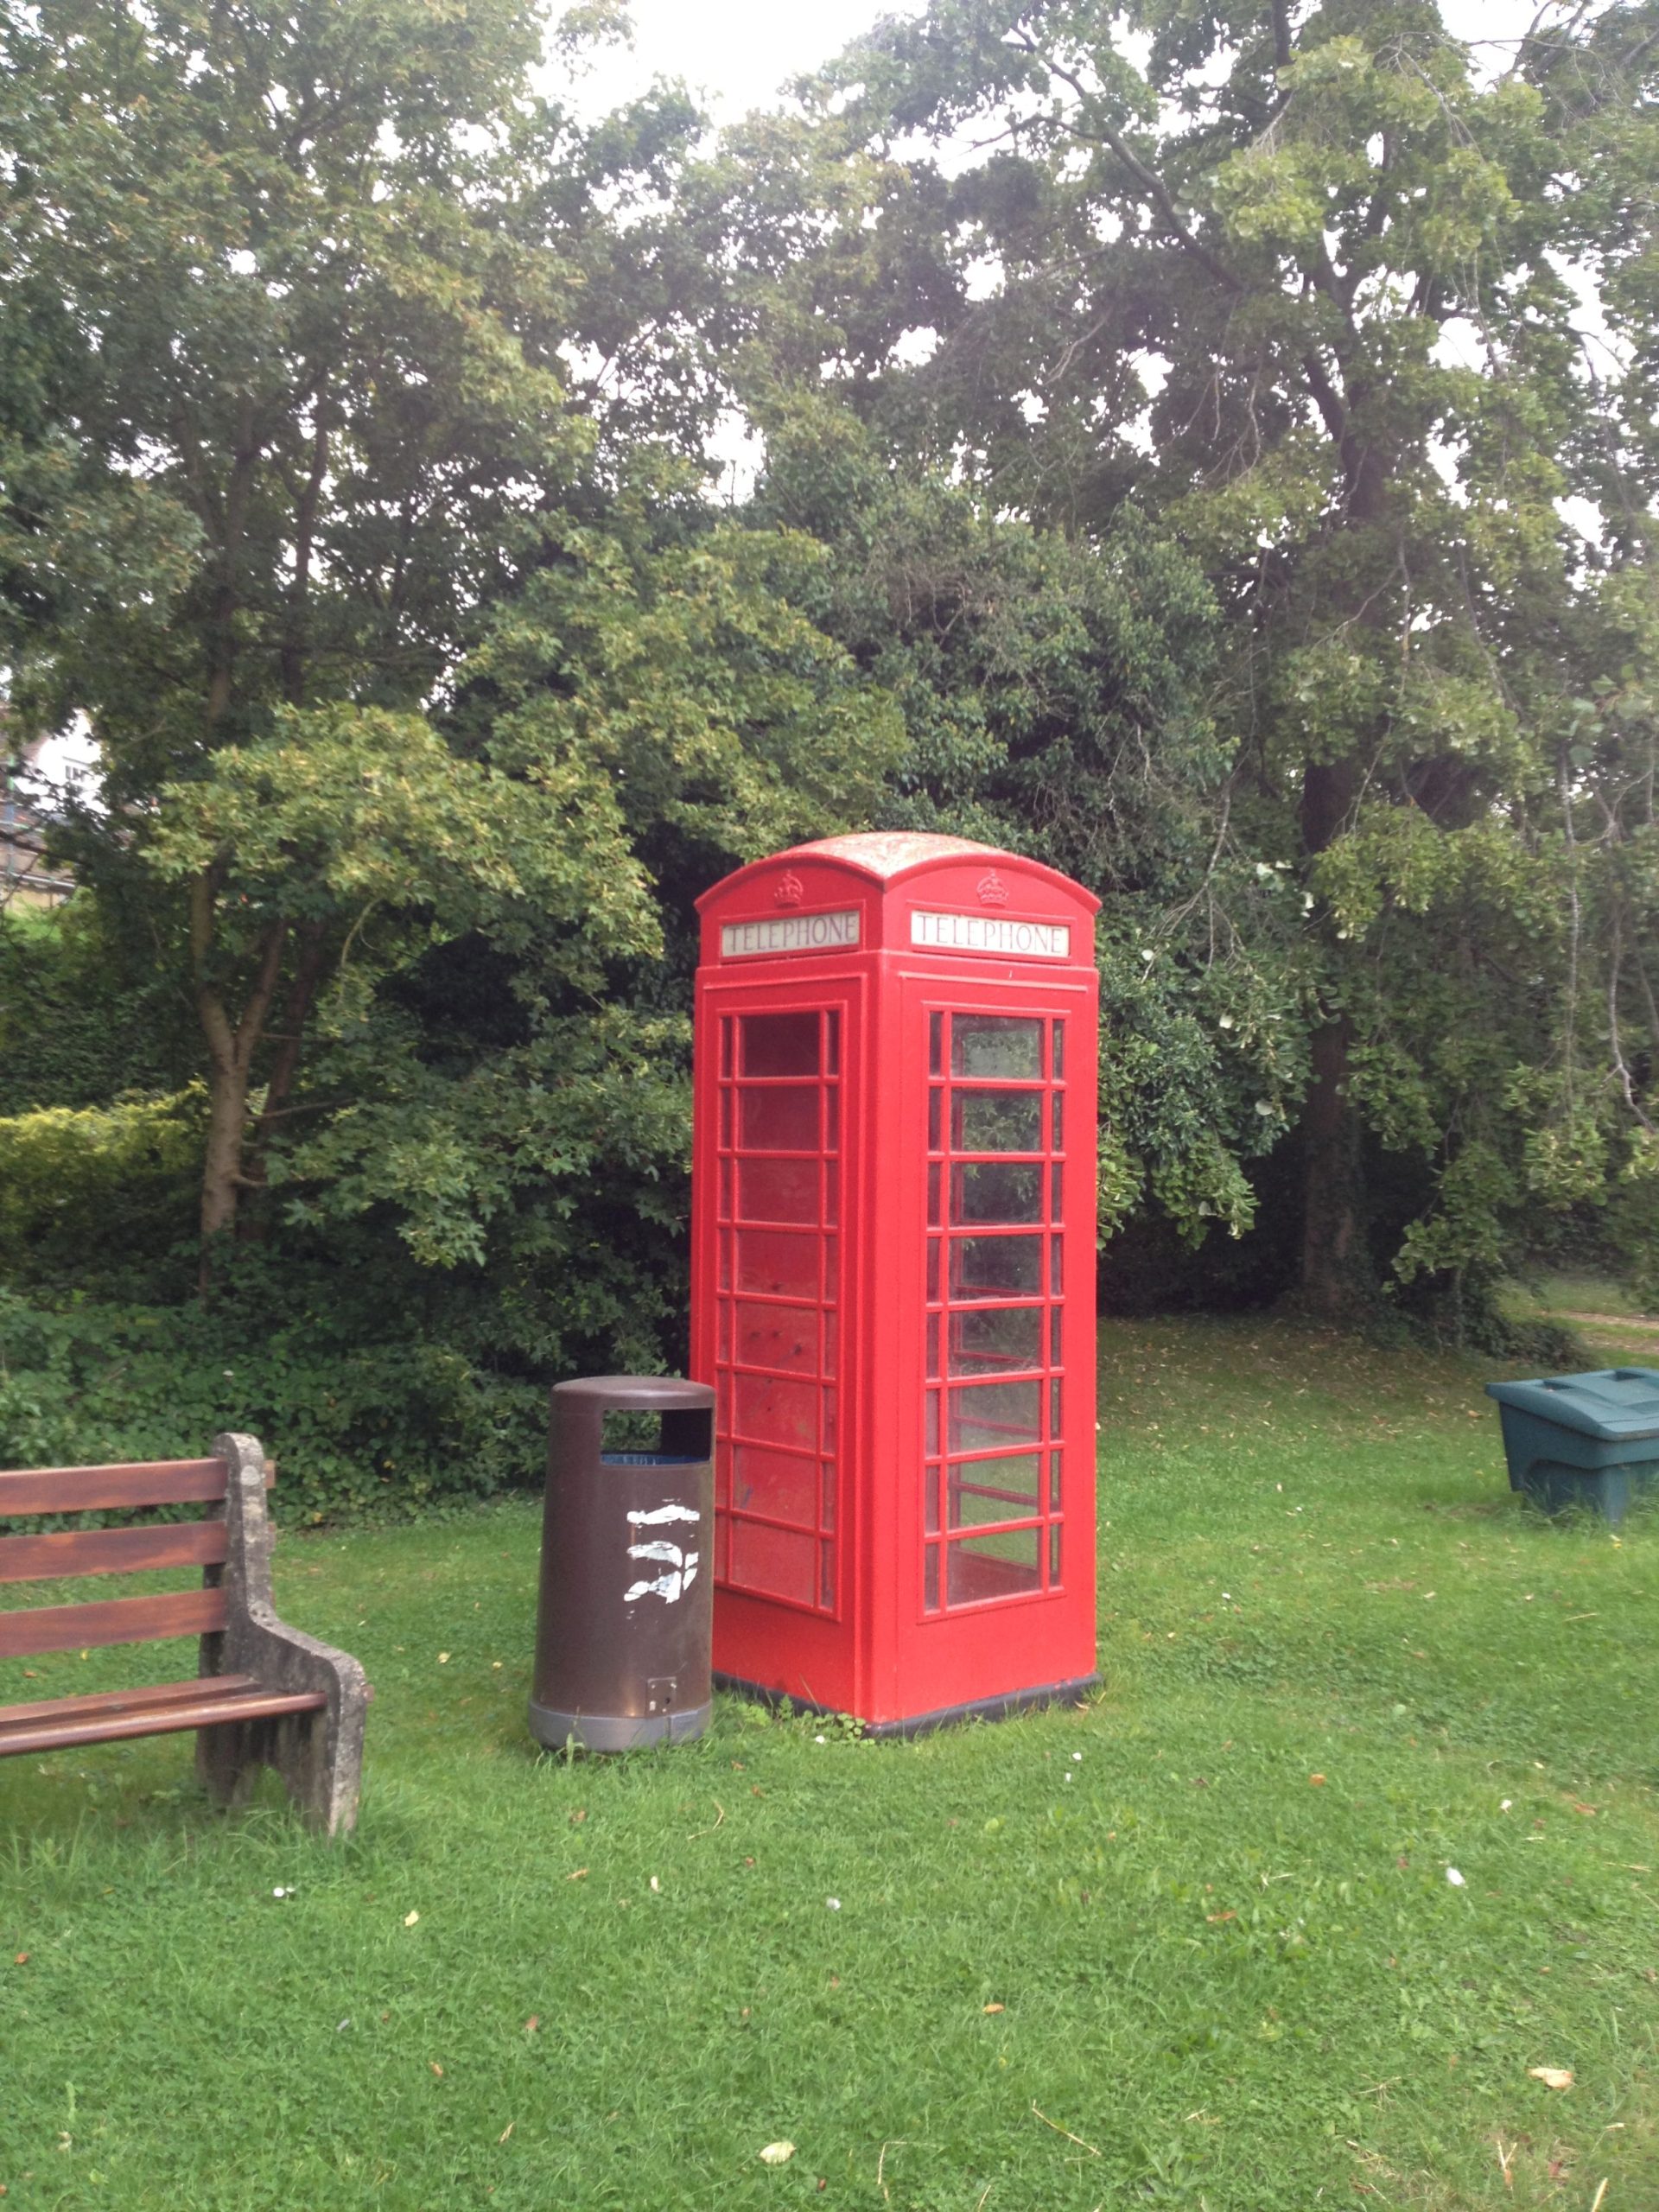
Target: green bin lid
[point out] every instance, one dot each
(1618, 1404)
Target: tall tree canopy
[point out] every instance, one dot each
(297, 300)
(1350, 321)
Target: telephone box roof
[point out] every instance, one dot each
(885, 855)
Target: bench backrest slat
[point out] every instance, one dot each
(111, 1551)
(88, 1490)
(112, 1620)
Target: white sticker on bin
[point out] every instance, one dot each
(681, 1565)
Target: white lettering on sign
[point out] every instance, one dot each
(992, 933)
(789, 933)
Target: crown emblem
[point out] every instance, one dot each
(791, 890)
(993, 890)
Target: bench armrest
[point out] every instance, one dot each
(255, 1641)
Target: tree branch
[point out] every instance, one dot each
(1150, 182)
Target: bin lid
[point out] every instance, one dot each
(639, 1393)
(1617, 1404)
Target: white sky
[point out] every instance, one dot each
(739, 54)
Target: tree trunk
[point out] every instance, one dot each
(221, 1172)
(230, 1063)
(1337, 1283)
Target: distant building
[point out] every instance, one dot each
(25, 879)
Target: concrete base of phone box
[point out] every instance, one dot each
(922, 1724)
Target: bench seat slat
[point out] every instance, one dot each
(50, 1732)
(88, 1490)
(133, 1700)
(111, 1551)
(112, 1620)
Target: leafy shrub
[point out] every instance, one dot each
(369, 1428)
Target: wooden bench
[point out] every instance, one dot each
(263, 1694)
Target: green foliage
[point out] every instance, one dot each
(118, 1179)
(371, 1414)
(1305, 289)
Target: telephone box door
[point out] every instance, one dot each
(1000, 1267)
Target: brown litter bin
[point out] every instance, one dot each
(623, 1627)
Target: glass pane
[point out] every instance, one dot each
(1054, 1482)
(775, 1411)
(1057, 1208)
(827, 1508)
(996, 1121)
(778, 1264)
(995, 1190)
(779, 1121)
(832, 1120)
(990, 1338)
(1054, 1556)
(779, 1044)
(1059, 1052)
(1059, 1121)
(773, 1562)
(930, 1500)
(777, 1336)
(726, 1120)
(725, 1259)
(726, 1046)
(778, 1190)
(981, 1567)
(993, 1490)
(724, 1189)
(1055, 1314)
(930, 1579)
(1056, 1266)
(935, 1042)
(829, 1419)
(723, 1349)
(993, 1413)
(996, 1267)
(832, 1190)
(831, 1270)
(830, 1340)
(1056, 1427)
(933, 1196)
(932, 1270)
(933, 1098)
(772, 1483)
(832, 1044)
(827, 1577)
(933, 1347)
(993, 1043)
(931, 1422)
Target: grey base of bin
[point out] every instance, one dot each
(923, 1724)
(1609, 1492)
(616, 1732)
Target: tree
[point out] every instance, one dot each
(265, 254)
(1301, 283)
(291, 295)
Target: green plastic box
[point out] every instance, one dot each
(1582, 1439)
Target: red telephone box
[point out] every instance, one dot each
(893, 1275)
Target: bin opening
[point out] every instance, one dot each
(682, 1436)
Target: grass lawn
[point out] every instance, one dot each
(1195, 1945)
(1602, 1313)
